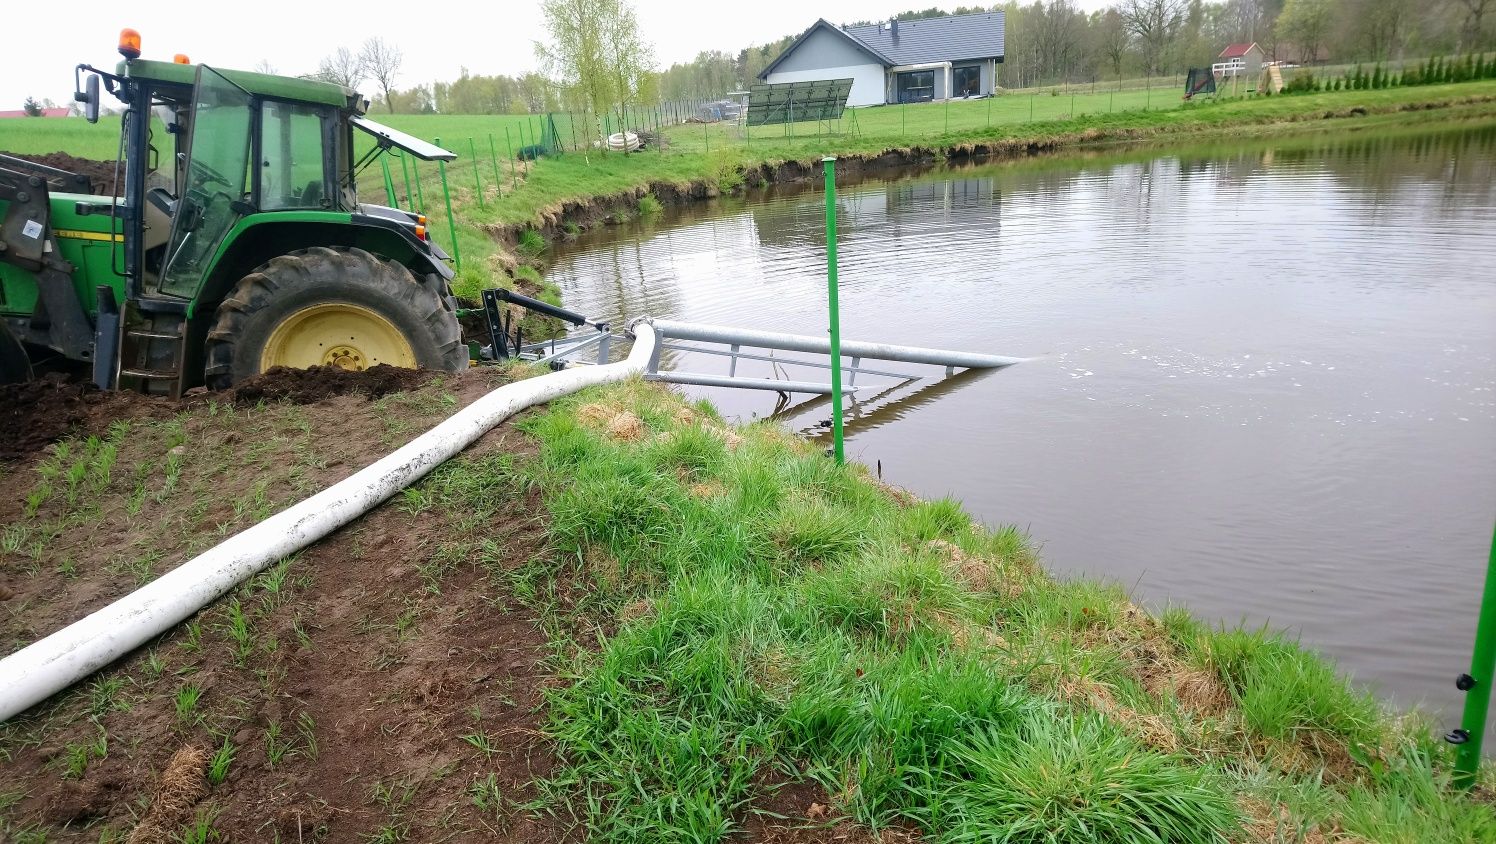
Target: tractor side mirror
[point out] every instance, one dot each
(89, 96)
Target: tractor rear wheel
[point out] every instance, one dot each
(339, 307)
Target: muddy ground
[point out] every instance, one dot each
(100, 173)
(382, 685)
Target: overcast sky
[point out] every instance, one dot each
(438, 38)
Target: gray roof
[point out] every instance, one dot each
(953, 38)
(978, 36)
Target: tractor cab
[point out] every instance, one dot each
(235, 189)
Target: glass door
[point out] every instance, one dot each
(217, 186)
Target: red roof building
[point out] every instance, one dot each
(46, 112)
(1237, 51)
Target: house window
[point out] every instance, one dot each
(916, 86)
(966, 81)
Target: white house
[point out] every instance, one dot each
(898, 61)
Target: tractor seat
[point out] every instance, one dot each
(160, 207)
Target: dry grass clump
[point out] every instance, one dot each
(976, 573)
(626, 427)
(183, 784)
(708, 489)
(1152, 730)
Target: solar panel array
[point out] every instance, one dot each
(791, 102)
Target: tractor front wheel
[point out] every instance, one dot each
(340, 307)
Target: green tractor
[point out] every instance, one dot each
(235, 242)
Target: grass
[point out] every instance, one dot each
(773, 619)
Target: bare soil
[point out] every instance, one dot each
(100, 173)
(384, 685)
(38, 413)
(316, 383)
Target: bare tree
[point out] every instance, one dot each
(1306, 25)
(1154, 23)
(264, 66)
(382, 62)
(344, 67)
(1472, 28)
(1115, 39)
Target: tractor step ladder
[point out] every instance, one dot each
(153, 347)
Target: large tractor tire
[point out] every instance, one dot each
(333, 307)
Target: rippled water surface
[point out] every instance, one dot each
(1262, 382)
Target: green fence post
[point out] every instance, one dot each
(493, 156)
(389, 184)
(405, 171)
(707, 139)
(509, 148)
(415, 171)
(1072, 106)
(947, 113)
(1032, 97)
(1477, 685)
(477, 181)
(451, 220)
(903, 118)
(829, 163)
(990, 98)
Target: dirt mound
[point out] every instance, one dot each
(37, 413)
(305, 386)
(99, 173)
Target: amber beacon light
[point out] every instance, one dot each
(129, 43)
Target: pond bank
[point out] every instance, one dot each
(566, 195)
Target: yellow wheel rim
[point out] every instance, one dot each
(336, 334)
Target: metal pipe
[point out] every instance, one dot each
(543, 307)
(1477, 685)
(854, 368)
(46, 667)
(778, 386)
(676, 330)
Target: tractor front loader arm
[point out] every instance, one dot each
(26, 240)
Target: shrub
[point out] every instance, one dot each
(531, 242)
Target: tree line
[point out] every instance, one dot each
(596, 59)
(1054, 41)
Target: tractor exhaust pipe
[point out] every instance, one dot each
(40, 670)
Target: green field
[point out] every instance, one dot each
(487, 186)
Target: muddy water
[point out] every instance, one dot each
(1263, 374)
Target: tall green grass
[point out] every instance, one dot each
(747, 615)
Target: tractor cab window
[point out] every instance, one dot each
(293, 171)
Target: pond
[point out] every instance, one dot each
(1262, 373)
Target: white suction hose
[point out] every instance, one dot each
(40, 670)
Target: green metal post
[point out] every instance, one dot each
(903, 116)
(477, 181)
(415, 171)
(838, 451)
(706, 138)
(389, 184)
(1032, 97)
(493, 156)
(990, 98)
(451, 220)
(513, 172)
(405, 171)
(1072, 106)
(1477, 684)
(947, 113)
